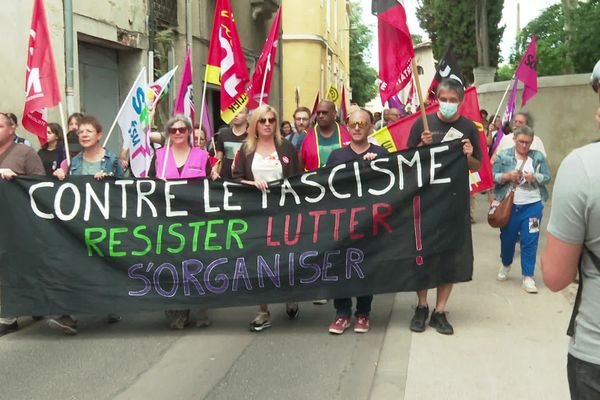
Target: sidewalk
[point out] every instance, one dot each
(508, 344)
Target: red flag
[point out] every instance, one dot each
(263, 72)
(41, 83)
(343, 108)
(527, 72)
(394, 137)
(185, 98)
(395, 47)
(313, 114)
(226, 65)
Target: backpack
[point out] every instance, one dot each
(596, 263)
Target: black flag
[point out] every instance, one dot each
(447, 68)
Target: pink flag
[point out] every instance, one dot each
(260, 86)
(185, 98)
(206, 123)
(41, 84)
(527, 72)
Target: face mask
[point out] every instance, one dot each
(448, 110)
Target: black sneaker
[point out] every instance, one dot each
(292, 310)
(8, 328)
(439, 322)
(417, 323)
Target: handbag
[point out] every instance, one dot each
(499, 212)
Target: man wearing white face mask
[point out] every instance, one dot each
(447, 121)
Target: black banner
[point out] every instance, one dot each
(399, 223)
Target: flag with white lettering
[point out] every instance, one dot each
(448, 67)
(395, 47)
(527, 72)
(41, 84)
(226, 65)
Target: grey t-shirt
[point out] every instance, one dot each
(575, 218)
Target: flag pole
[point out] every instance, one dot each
(65, 127)
(415, 75)
(503, 97)
(167, 148)
(264, 82)
(202, 114)
(122, 108)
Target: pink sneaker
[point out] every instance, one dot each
(361, 325)
(339, 325)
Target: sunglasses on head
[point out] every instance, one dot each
(182, 129)
(265, 120)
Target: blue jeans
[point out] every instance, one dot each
(584, 379)
(525, 220)
(343, 307)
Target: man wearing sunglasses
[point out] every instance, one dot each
(360, 125)
(447, 122)
(324, 138)
(574, 245)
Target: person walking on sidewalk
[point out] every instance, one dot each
(360, 126)
(526, 172)
(574, 244)
(450, 94)
(263, 158)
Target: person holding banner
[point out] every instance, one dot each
(15, 159)
(180, 160)
(92, 160)
(360, 125)
(528, 170)
(446, 124)
(265, 157)
(52, 153)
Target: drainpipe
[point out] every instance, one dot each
(151, 34)
(69, 63)
(188, 23)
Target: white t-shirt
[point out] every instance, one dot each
(267, 168)
(526, 193)
(508, 141)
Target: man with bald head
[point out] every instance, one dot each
(324, 138)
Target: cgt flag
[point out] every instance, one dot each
(185, 98)
(394, 137)
(260, 86)
(226, 65)
(448, 67)
(41, 84)
(395, 47)
(527, 72)
(313, 113)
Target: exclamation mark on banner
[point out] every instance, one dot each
(417, 216)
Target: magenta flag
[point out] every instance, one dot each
(185, 97)
(508, 114)
(260, 86)
(206, 122)
(527, 72)
(41, 84)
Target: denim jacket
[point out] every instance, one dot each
(109, 164)
(506, 161)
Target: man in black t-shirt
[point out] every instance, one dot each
(360, 125)
(228, 142)
(446, 124)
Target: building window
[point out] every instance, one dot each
(420, 70)
(165, 12)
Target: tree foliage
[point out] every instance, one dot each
(455, 23)
(557, 52)
(362, 76)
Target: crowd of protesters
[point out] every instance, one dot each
(259, 148)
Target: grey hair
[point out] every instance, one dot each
(528, 117)
(453, 85)
(524, 130)
(179, 118)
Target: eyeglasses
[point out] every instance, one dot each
(174, 130)
(265, 120)
(359, 124)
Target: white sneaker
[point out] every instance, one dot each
(503, 273)
(320, 302)
(529, 285)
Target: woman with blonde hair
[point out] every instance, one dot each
(264, 157)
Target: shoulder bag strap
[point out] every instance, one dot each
(596, 263)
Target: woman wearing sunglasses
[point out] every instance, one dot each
(178, 159)
(264, 157)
